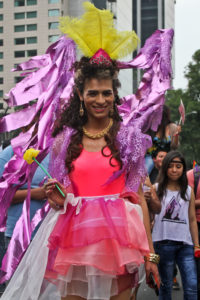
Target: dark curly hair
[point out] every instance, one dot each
(163, 178)
(70, 116)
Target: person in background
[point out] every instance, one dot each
(2, 237)
(158, 157)
(166, 138)
(193, 176)
(14, 212)
(154, 204)
(175, 233)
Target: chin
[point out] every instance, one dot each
(100, 115)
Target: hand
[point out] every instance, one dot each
(148, 196)
(55, 199)
(147, 181)
(152, 268)
(178, 130)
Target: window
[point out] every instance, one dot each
(1, 80)
(1, 4)
(1, 17)
(20, 15)
(31, 14)
(19, 53)
(18, 79)
(31, 27)
(19, 41)
(1, 55)
(53, 25)
(1, 42)
(31, 52)
(19, 28)
(53, 1)
(19, 2)
(1, 93)
(31, 40)
(1, 29)
(53, 38)
(53, 12)
(31, 2)
(1, 68)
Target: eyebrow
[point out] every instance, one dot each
(94, 90)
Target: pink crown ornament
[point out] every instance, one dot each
(101, 57)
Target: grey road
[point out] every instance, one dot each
(145, 293)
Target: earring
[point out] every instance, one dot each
(81, 110)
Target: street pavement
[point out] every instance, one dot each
(146, 293)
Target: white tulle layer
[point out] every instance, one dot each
(28, 282)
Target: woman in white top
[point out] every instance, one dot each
(175, 230)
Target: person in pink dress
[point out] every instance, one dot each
(103, 230)
(193, 177)
(94, 242)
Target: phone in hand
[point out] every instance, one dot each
(153, 283)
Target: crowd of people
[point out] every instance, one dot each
(129, 206)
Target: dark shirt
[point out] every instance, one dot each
(153, 175)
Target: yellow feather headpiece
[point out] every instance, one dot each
(95, 30)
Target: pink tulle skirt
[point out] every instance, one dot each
(96, 247)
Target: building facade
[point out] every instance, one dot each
(149, 15)
(27, 28)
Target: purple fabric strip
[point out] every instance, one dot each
(15, 120)
(46, 85)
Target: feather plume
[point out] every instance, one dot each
(124, 43)
(96, 30)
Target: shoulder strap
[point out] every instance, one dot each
(196, 172)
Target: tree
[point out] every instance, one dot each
(190, 135)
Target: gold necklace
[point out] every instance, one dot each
(100, 134)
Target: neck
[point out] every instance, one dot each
(97, 124)
(173, 185)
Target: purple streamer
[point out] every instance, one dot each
(45, 84)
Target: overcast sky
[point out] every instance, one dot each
(187, 37)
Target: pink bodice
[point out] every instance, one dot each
(91, 172)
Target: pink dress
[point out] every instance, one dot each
(98, 244)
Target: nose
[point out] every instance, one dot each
(100, 99)
(174, 169)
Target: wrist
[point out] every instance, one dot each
(152, 257)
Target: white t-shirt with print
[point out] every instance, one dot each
(172, 223)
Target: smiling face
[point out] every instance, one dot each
(175, 169)
(98, 98)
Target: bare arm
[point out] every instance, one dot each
(150, 267)
(146, 219)
(174, 131)
(36, 194)
(193, 221)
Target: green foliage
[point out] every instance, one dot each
(190, 134)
